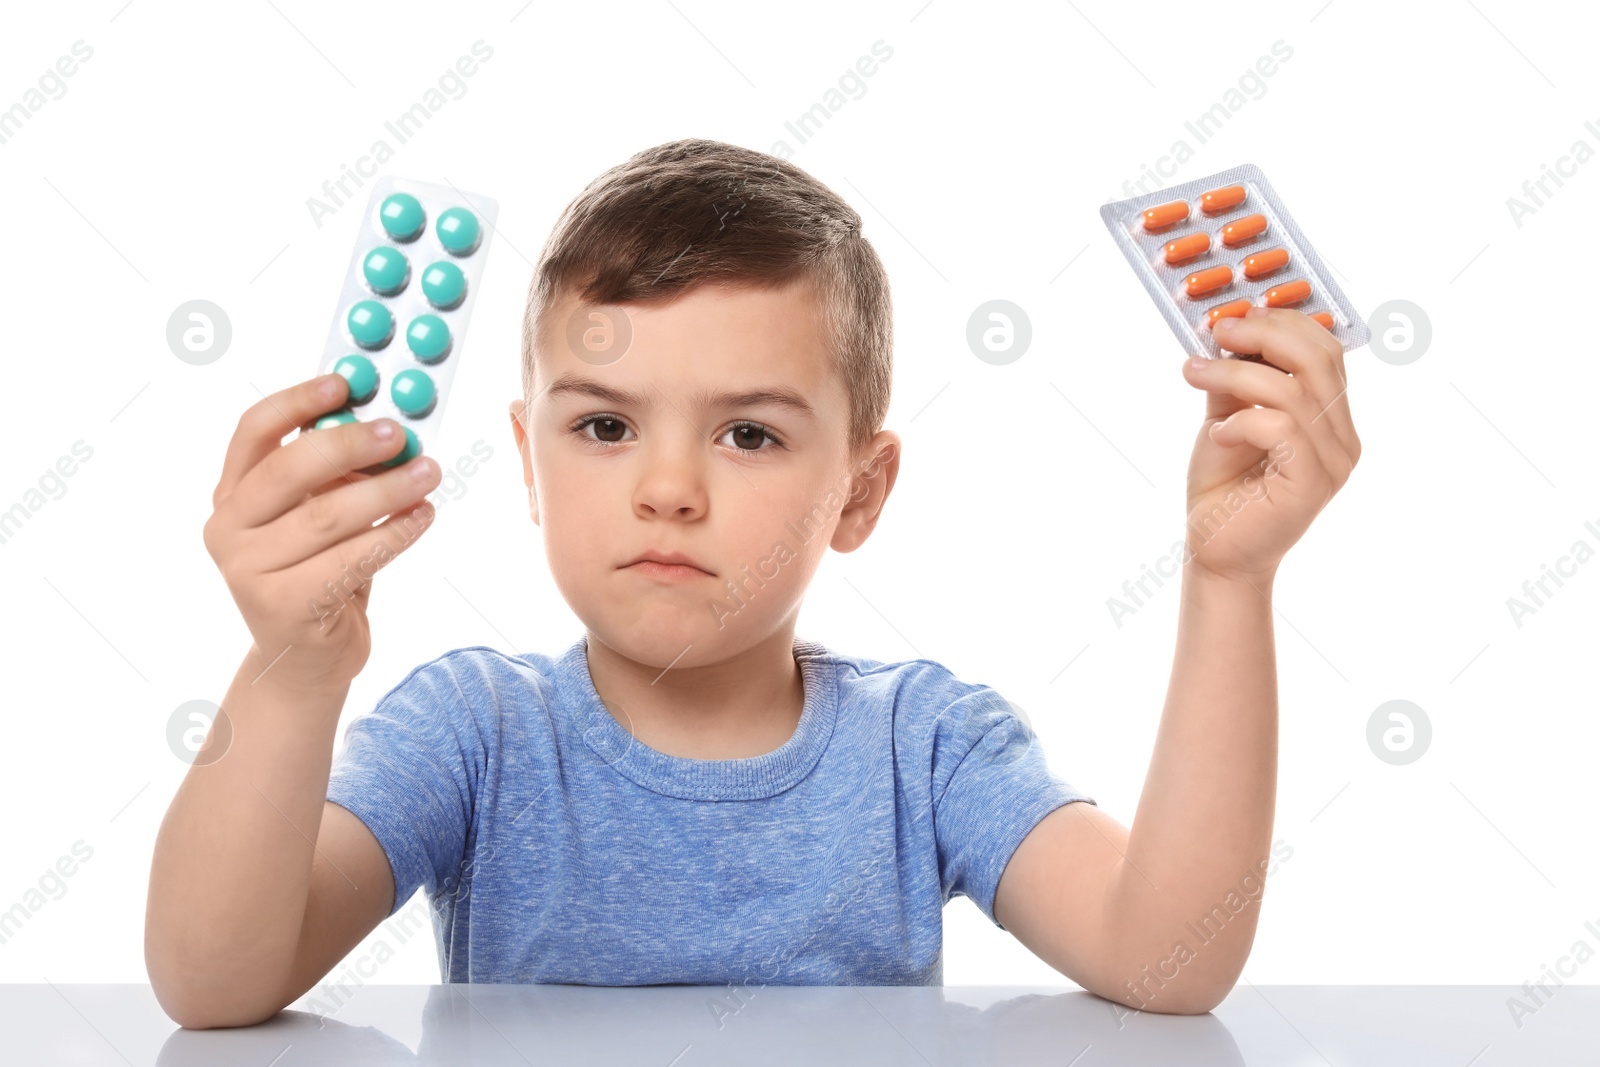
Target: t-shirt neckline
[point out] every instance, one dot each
(746, 778)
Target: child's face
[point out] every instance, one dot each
(669, 468)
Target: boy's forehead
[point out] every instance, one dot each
(708, 337)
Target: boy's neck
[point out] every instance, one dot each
(745, 706)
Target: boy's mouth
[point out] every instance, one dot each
(667, 565)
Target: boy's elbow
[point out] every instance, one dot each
(1192, 997)
(1188, 997)
(197, 1011)
(1187, 1004)
(205, 1005)
(1191, 1003)
(184, 1011)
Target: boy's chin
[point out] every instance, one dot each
(664, 640)
(677, 641)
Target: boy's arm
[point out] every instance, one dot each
(1107, 907)
(242, 906)
(1163, 916)
(245, 913)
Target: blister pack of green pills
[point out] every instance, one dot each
(401, 321)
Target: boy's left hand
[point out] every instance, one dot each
(1259, 475)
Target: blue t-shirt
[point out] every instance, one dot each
(556, 848)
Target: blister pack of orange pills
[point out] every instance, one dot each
(1220, 245)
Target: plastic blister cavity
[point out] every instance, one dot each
(1219, 245)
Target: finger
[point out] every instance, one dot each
(1219, 403)
(1271, 430)
(263, 425)
(351, 563)
(1297, 344)
(1257, 384)
(337, 480)
(1269, 321)
(342, 513)
(282, 480)
(1269, 332)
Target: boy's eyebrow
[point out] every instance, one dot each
(576, 385)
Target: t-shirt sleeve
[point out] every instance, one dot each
(407, 770)
(999, 789)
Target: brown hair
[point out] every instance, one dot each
(694, 211)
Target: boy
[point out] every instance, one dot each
(690, 793)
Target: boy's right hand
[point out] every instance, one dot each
(291, 528)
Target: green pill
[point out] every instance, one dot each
(458, 230)
(371, 325)
(401, 216)
(362, 376)
(335, 418)
(443, 284)
(412, 450)
(386, 270)
(413, 393)
(428, 338)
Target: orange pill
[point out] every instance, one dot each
(1207, 281)
(1163, 215)
(1186, 248)
(1239, 231)
(1219, 200)
(1324, 318)
(1263, 263)
(1233, 310)
(1282, 296)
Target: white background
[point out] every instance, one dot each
(178, 164)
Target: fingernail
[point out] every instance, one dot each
(383, 428)
(1256, 312)
(1224, 324)
(328, 387)
(1198, 363)
(420, 469)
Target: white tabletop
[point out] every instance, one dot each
(685, 1026)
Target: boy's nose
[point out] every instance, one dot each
(671, 487)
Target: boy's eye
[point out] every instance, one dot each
(605, 427)
(749, 433)
(746, 436)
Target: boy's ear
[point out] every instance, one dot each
(873, 479)
(519, 431)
